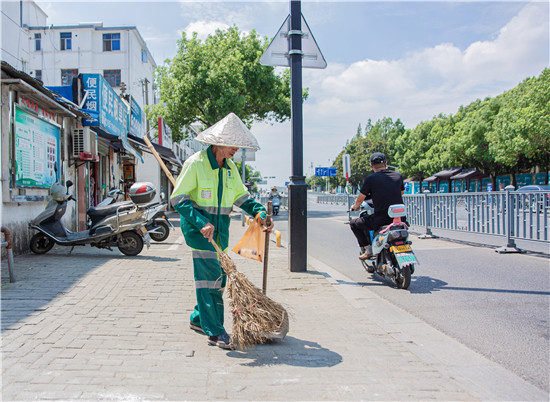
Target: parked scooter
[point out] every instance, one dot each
(157, 224)
(119, 225)
(393, 256)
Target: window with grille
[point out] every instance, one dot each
(111, 42)
(112, 77)
(68, 75)
(37, 42)
(38, 74)
(66, 38)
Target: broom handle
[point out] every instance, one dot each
(266, 247)
(218, 249)
(159, 160)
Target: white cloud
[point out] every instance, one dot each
(204, 28)
(420, 84)
(413, 88)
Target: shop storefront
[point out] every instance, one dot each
(110, 123)
(35, 135)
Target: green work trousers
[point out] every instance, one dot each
(210, 282)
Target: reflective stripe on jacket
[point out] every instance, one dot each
(204, 193)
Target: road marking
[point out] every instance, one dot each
(175, 246)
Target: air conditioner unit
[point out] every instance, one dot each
(84, 143)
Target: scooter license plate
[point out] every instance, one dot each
(406, 258)
(404, 248)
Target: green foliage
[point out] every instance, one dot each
(508, 133)
(206, 81)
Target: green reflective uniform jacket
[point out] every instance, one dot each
(204, 193)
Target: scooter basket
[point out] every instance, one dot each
(142, 192)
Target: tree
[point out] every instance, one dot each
(206, 81)
(520, 138)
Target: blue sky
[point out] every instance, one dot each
(408, 60)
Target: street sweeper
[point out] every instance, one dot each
(205, 191)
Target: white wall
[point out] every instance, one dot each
(14, 40)
(149, 171)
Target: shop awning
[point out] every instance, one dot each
(445, 174)
(468, 174)
(165, 153)
(430, 179)
(120, 144)
(33, 89)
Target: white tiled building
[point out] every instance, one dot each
(59, 53)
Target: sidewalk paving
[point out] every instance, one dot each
(100, 325)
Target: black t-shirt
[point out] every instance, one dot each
(384, 188)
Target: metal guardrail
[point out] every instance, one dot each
(515, 215)
(284, 201)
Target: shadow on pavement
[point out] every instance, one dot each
(426, 284)
(291, 352)
(43, 278)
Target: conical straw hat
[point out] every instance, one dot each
(229, 132)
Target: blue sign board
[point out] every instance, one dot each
(103, 100)
(137, 126)
(325, 171)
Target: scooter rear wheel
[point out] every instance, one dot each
(132, 243)
(404, 279)
(41, 244)
(162, 231)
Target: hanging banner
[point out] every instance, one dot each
(103, 101)
(137, 119)
(36, 150)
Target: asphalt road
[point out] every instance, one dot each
(496, 304)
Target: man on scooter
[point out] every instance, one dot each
(385, 187)
(273, 194)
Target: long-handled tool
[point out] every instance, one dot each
(266, 247)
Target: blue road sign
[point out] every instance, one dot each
(325, 171)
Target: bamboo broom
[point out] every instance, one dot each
(256, 318)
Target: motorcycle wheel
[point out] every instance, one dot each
(41, 244)
(404, 280)
(132, 243)
(162, 233)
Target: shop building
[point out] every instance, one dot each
(36, 140)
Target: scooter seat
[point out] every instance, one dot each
(96, 214)
(380, 229)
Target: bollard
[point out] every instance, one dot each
(277, 238)
(9, 250)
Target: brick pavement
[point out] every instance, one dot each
(98, 325)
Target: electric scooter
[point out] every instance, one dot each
(119, 225)
(393, 256)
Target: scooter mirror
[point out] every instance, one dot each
(69, 184)
(162, 196)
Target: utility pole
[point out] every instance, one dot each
(294, 46)
(297, 189)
